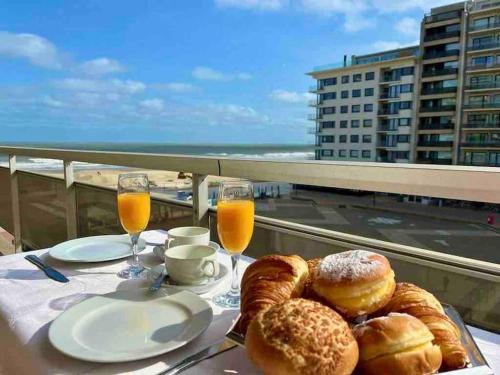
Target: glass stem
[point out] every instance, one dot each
(235, 281)
(135, 239)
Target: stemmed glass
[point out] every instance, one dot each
(235, 221)
(134, 206)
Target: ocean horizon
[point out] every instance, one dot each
(247, 151)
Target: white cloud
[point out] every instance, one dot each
(101, 86)
(391, 6)
(178, 87)
(209, 74)
(290, 96)
(408, 26)
(268, 5)
(155, 105)
(100, 67)
(352, 10)
(36, 49)
(51, 102)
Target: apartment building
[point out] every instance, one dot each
(364, 109)
(437, 103)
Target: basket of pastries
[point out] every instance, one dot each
(344, 314)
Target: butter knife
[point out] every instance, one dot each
(49, 271)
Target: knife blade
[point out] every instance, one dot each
(49, 271)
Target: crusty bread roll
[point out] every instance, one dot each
(355, 282)
(398, 344)
(300, 336)
(269, 280)
(411, 299)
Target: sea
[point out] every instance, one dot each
(246, 151)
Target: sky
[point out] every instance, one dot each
(180, 71)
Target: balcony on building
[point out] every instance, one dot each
(488, 143)
(485, 25)
(438, 108)
(435, 124)
(443, 32)
(438, 72)
(483, 85)
(445, 16)
(388, 111)
(483, 5)
(313, 102)
(478, 67)
(491, 45)
(313, 130)
(315, 88)
(437, 89)
(482, 105)
(434, 143)
(314, 116)
(432, 160)
(435, 53)
(481, 125)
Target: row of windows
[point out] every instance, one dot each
(356, 108)
(367, 123)
(365, 154)
(358, 77)
(354, 138)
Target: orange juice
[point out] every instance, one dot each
(134, 210)
(235, 224)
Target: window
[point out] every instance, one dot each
(408, 71)
(367, 123)
(369, 76)
(343, 124)
(367, 138)
(403, 138)
(328, 110)
(329, 81)
(354, 123)
(356, 93)
(368, 108)
(345, 79)
(342, 153)
(401, 154)
(328, 96)
(406, 88)
(356, 108)
(326, 152)
(404, 121)
(354, 138)
(344, 94)
(328, 124)
(344, 108)
(369, 91)
(405, 105)
(328, 139)
(357, 77)
(342, 138)
(354, 153)
(366, 154)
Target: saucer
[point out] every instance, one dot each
(154, 272)
(159, 250)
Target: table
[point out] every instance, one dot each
(29, 301)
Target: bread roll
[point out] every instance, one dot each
(355, 282)
(309, 292)
(398, 344)
(411, 299)
(303, 337)
(269, 280)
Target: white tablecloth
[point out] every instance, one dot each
(30, 301)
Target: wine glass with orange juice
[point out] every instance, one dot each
(235, 217)
(134, 206)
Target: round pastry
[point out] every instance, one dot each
(396, 344)
(300, 336)
(355, 282)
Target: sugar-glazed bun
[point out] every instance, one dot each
(355, 282)
(300, 336)
(398, 344)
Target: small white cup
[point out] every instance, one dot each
(191, 264)
(188, 236)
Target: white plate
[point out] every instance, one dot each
(128, 325)
(160, 250)
(95, 249)
(154, 272)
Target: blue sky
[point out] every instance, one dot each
(179, 71)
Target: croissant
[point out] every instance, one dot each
(270, 280)
(412, 300)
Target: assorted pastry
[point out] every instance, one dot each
(343, 314)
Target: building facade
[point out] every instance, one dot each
(437, 103)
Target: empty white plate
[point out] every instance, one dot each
(130, 325)
(95, 249)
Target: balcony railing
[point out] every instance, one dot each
(438, 108)
(484, 85)
(438, 90)
(439, 72)
(443, 35)
(313, 130)
(388, 144)
(314, 88)
(492, 25)
(492, 65)
(442, 17)
(72, 209)
(486, 144)
(479, 125)
(314, 116)
(439, 54)
(387, 128)
(480, 5)
(434, 161)
(482, 46)
(481, 105)
(313, 102)
(436, 126)
(386, 112)
(423, 143)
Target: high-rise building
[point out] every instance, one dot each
(438, 102)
